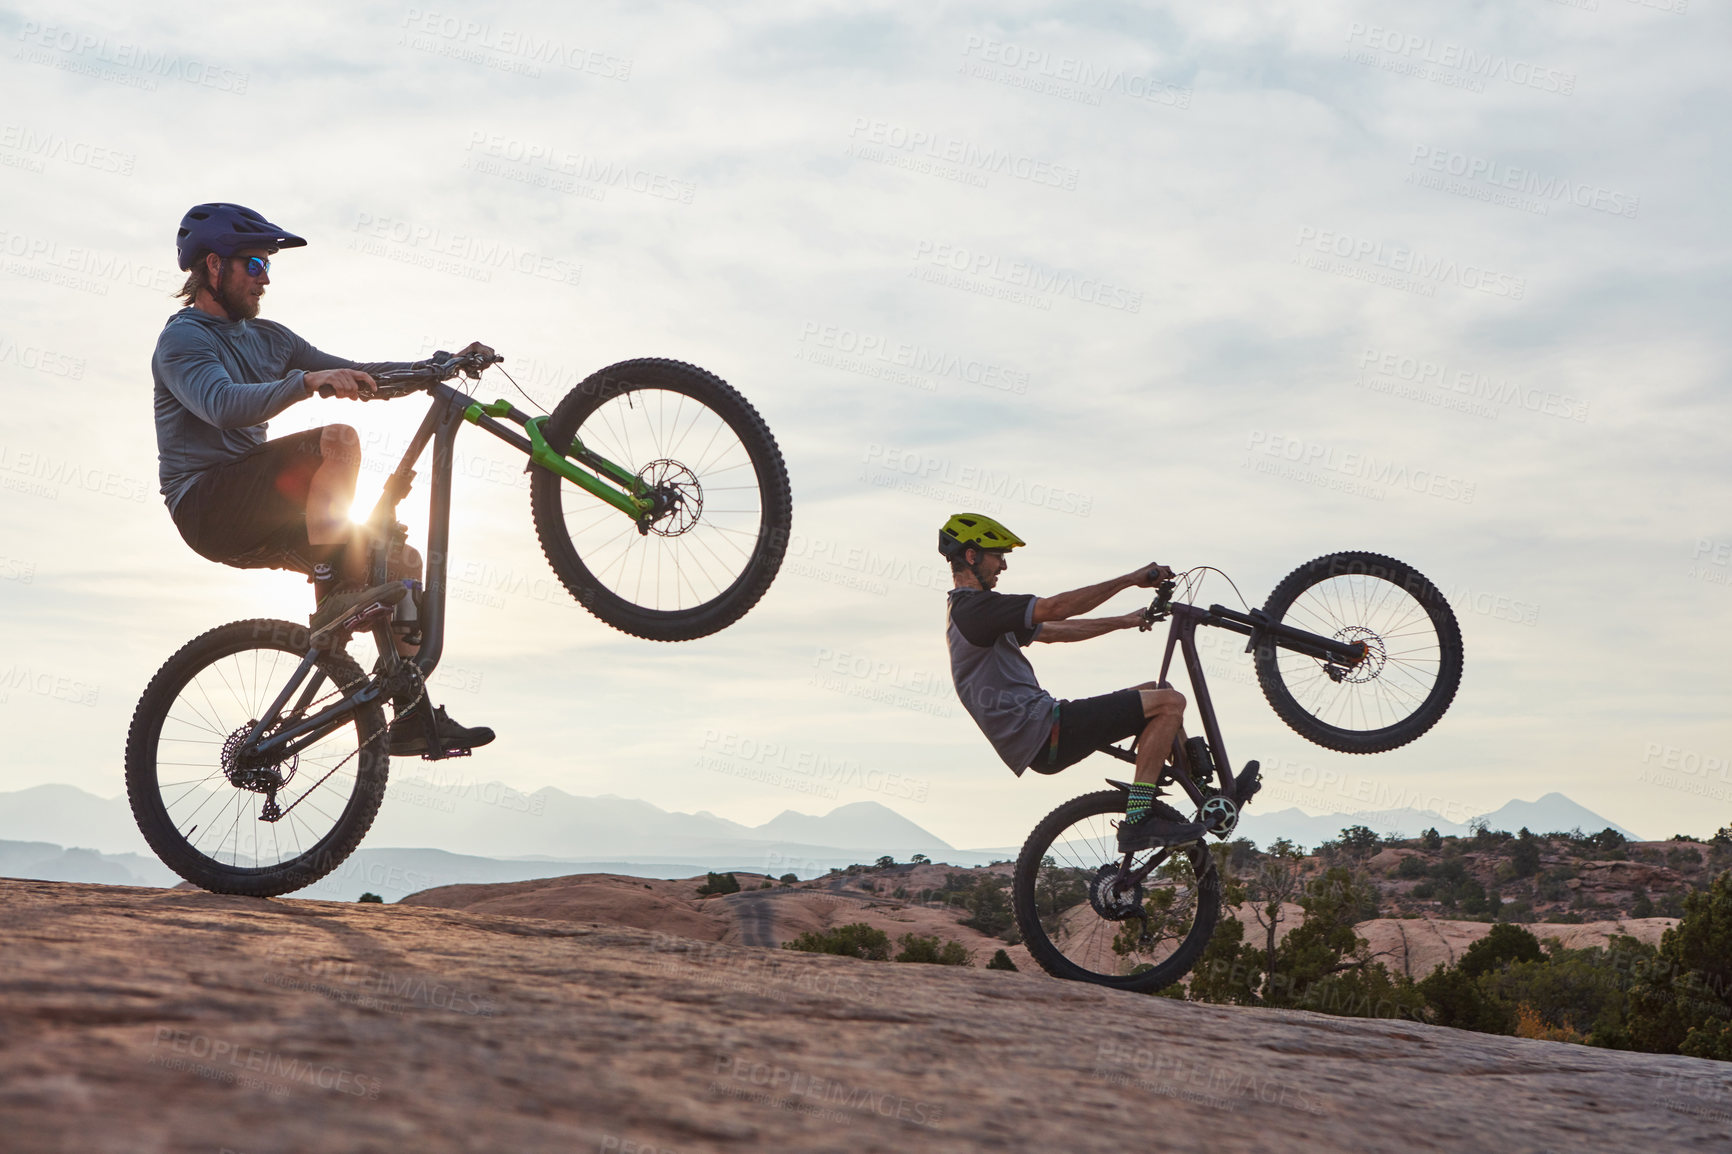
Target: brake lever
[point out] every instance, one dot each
(1158, 608)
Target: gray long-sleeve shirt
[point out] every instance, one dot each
(218, 382)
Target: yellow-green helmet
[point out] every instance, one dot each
(977, 529)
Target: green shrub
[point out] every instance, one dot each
(370, 898)
(719, 884)
(855, 940)
(1504, 945)
(922, 948)
(1001, 961)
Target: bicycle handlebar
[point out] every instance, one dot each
(1157, 610)
(436, 369)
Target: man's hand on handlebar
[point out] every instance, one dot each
(350, 384)
(1151, 575)
(476, 347)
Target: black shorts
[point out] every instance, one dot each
(251, 512)
(1086, 724)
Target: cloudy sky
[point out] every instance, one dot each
(1174, 268)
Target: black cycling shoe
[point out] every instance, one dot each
(409, 734)
(341, 608)
(1158, 829)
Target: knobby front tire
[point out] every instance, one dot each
(692, 573)
(1413, 665)
(184, 796)
(1063, 928)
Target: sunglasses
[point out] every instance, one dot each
(256, 266)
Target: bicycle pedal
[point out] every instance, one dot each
(1202, 763)
(1249, 782)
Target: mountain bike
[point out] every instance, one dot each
(258, 754)
(1354, 651)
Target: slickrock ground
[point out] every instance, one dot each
(1416, 946)
(139, 1021)
(752, 917)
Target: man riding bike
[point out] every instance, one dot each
(1029, 728)
(220, 374)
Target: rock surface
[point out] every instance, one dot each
(143, 1021)
(1416, 946)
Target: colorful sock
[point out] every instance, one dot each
(327, 562)
(1137, 803)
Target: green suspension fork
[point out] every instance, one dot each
(611, 483)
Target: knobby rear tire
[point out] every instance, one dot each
(1051, 956)
(144, 767)
(555, 501)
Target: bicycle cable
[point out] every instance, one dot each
(538, 405)
(1192, 586)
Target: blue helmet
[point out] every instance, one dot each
(226, 228)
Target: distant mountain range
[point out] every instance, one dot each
(1552, 813)
(493, 833)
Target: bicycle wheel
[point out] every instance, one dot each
(701, 567)
(203, 812)
(1413, 664)
(1080, 925)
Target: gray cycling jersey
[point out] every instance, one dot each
(987, 632)
(218, 382)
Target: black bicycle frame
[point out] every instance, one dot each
(439, 426)
(1263, 632)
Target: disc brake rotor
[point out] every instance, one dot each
(679, 497)
(1368, 668)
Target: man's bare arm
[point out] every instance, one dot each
(1077, 601)
(1087, 627)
